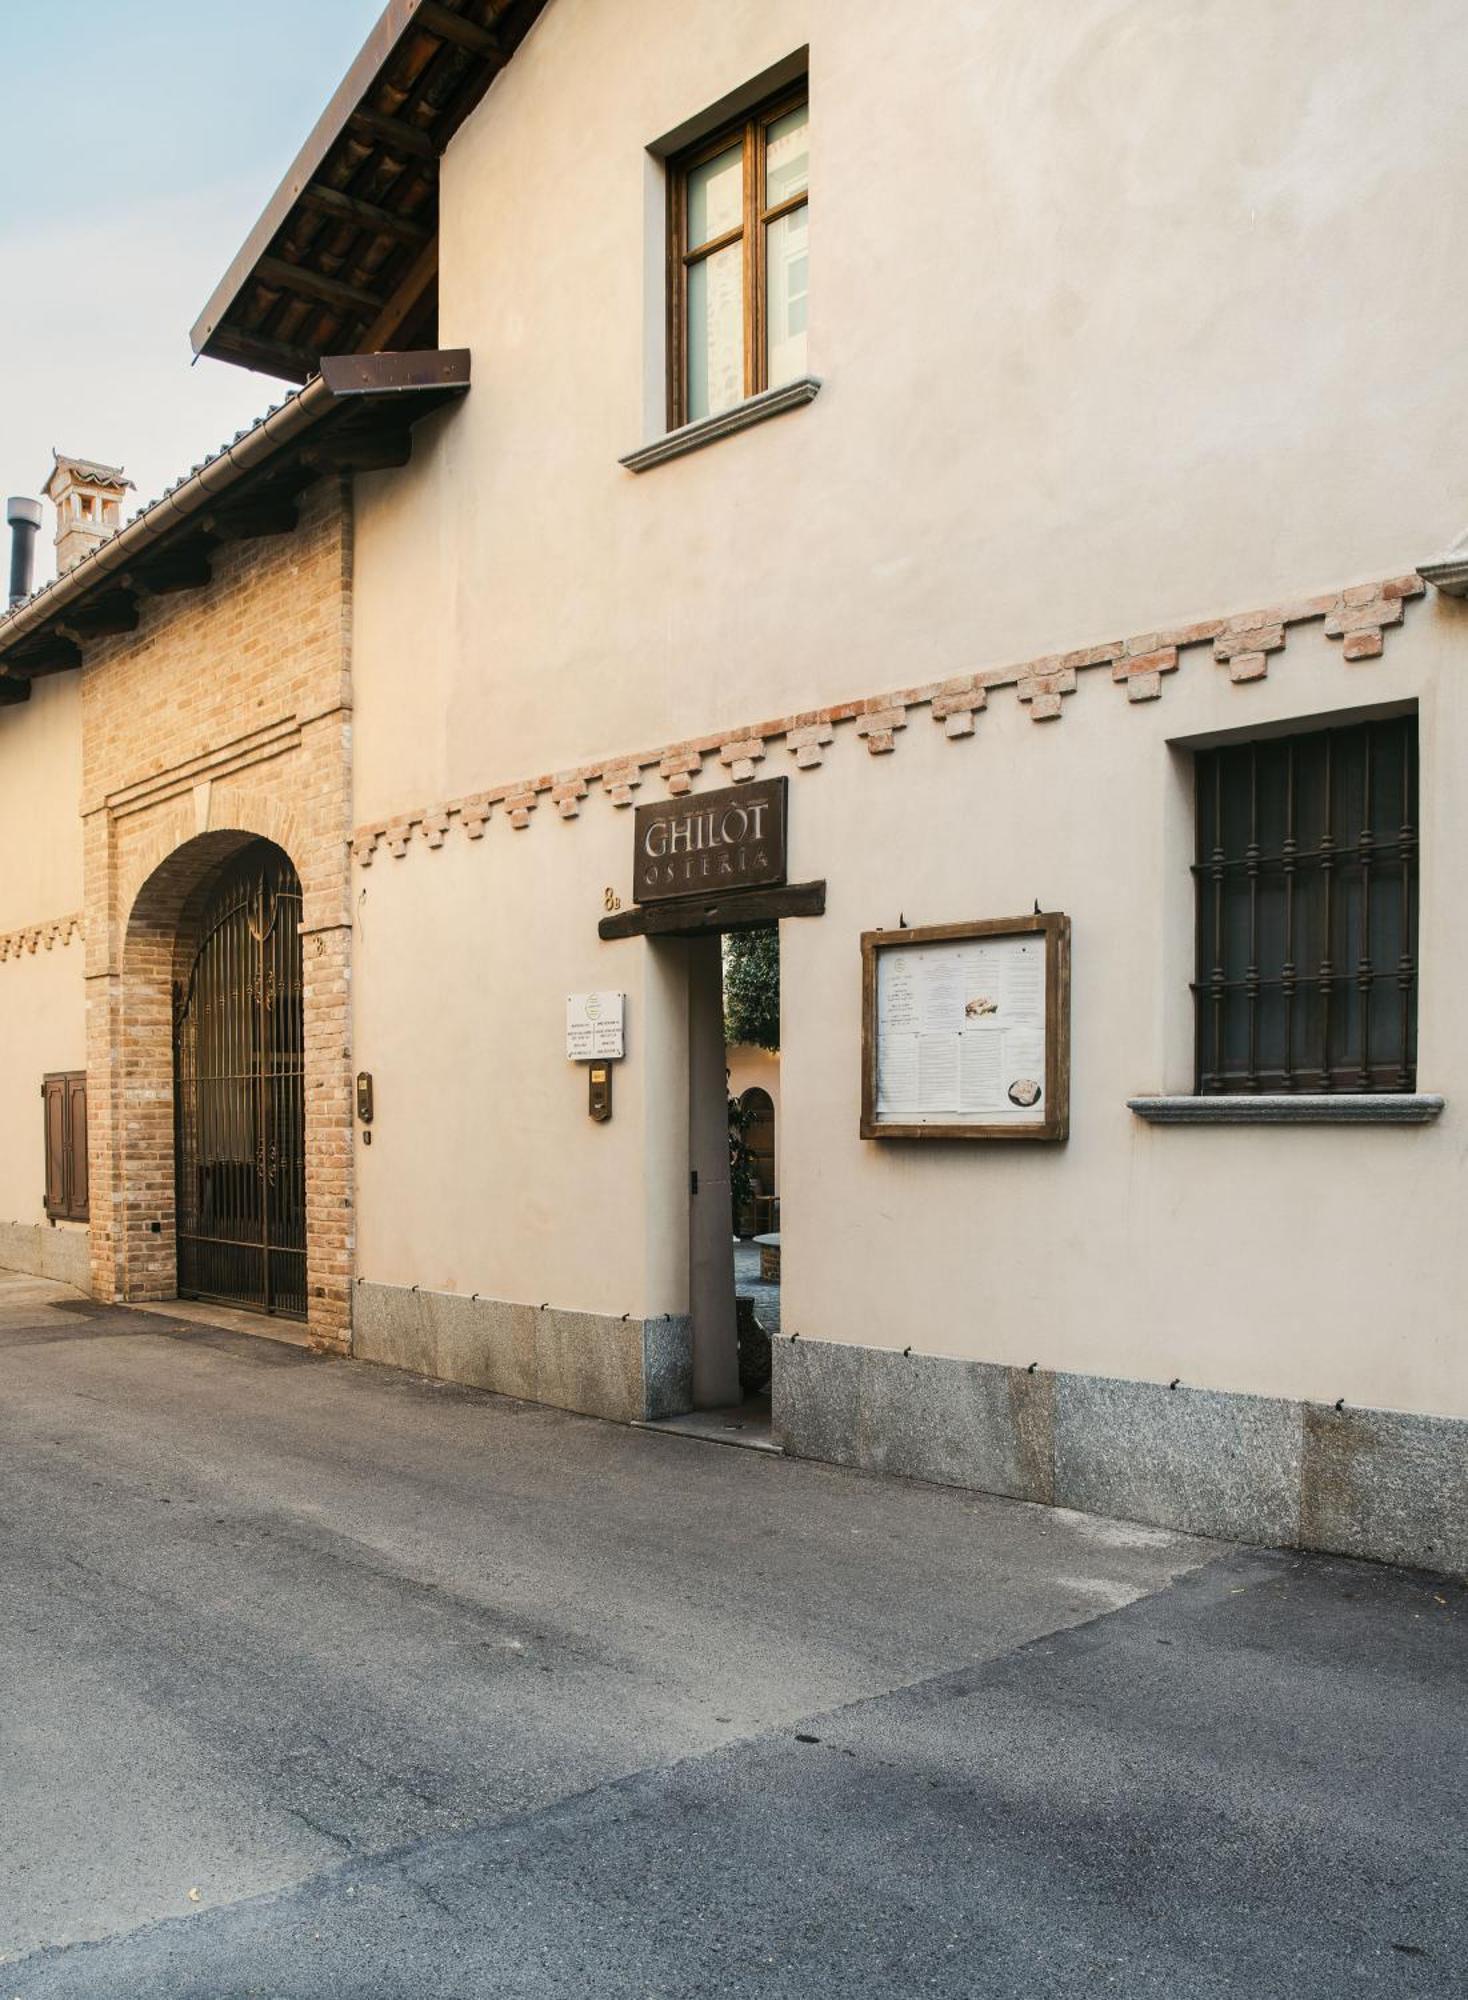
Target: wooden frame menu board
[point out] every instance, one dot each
(965, 1030)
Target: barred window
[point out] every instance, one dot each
(1306, 877)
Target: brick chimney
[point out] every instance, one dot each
(88, 500)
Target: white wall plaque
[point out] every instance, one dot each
(593, 1025)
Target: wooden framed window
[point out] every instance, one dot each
(64, 1096)
(1306, 883)
(738, 263)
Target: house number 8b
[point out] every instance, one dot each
(611, 900)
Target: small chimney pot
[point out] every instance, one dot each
(23, 517)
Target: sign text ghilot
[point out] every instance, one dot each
(731, 839)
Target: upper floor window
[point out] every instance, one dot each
(738, 212)
(1306, 877)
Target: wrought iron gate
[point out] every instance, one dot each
(239, 1108)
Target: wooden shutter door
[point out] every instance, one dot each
(53, 1092)
(76, 1146)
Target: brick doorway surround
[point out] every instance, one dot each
(130, 1059)
(224, 719)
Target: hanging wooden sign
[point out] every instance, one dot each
(730, 839)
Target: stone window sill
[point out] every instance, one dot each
(708, 430)
(1302, 1108)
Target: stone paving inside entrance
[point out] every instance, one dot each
(749, 1284)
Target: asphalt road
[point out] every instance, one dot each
(317, 1680)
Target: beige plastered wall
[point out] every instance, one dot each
(1301, 1262)
(1093, 362)
(42, 969)
(752, 1068)
(1124, 313)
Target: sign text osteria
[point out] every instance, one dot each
(731, 839)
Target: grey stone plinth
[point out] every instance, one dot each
(667, 1364)
(623, 1369)
(1386, 1484)
(816, 1404)
(1376, 1483)
(1383, 1107)
(708, 430)
(62, 1254)
(1195, 1459)
(958, 1423)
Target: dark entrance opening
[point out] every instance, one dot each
(239, 1091)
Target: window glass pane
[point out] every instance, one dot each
(786, 286)
(716, 332)
(715, 196)
(787, 156)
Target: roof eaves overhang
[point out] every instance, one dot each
(355, 415)
(344, 258)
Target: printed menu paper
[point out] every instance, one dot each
(961, 1032)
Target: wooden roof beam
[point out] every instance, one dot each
(394, 135)
(281, 275)
(450, 27)
(269, 357)
(406, 297)
(359, 454)
(103, 616)
(50, 653)
(251, 520)
(351, 208)
(13, 691)
(167, 574)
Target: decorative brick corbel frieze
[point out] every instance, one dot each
(41, 937)
(620, 781)
(740, 755)
(809, 740)
(679, 767)
(1141, 673)
(1244, 642)
(1359, 617)
(519, 805)
(1042, 686)
(957, 702)
(879, 722)
(567, 793)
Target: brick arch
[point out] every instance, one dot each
(157, 936)
(174, 848)
(164, 887)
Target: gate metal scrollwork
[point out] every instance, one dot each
(239, 1107)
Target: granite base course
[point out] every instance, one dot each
(42, 1252)
(1384, 1484)
(622, 1369)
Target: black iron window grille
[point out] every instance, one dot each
(1306, 877)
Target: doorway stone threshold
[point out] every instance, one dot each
(232, 1319)
(744, 1425)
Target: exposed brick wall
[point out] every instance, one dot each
(224, 717)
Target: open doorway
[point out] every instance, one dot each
(734, 1130)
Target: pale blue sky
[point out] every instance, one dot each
(141, 139)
